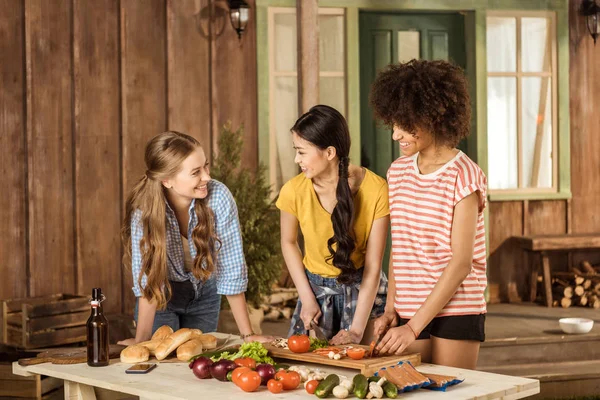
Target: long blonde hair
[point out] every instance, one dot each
(164, 156)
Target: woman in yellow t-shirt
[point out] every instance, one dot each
(342, 210)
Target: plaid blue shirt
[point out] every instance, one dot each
(231, 270)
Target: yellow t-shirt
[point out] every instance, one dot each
(298, 197)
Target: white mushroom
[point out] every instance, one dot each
(347, 383)
(375, 391)
(340, 392)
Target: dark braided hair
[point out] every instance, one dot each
(324, 126)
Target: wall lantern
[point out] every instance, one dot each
(591, 11)
(239, 13)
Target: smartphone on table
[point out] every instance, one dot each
(142, 368)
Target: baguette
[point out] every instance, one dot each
(189, 349)
(196, 333)
(134, 354)
(174, 340)
(162, 333)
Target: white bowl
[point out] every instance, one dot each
(576, 325)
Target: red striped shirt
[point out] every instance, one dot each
(421, 211)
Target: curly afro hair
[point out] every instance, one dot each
(429, 95)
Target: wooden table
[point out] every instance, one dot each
(542, 245)
(175, 381)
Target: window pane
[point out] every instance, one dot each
(409, 46)
(502, 133)
(332, 92)
(331, 43)
(285, 42)
(536, 134)
(501, 44)
(284, 114)
(535, 46)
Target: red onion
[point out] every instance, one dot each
(201, 367)
(266, 372)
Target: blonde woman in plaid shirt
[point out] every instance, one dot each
(183, 243)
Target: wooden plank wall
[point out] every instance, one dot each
(85, 83)
(507, 265)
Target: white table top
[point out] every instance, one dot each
(176, 381)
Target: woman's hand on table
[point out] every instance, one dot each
(127, 342)
(345, 337)
(259, 338)
(396, 340)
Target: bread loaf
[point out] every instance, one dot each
(189, 349)
(174, 340)
(196, 333)
(151, 345)
(134, 354)
(162, 333)
(209, 342)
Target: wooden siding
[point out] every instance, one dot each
(581, 214)
(85, 83)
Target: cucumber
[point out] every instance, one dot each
(281, 366)
(326, 386)
(209, 354)
(390, 390)
(361, 386)
(374, 378)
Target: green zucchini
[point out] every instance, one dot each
(390, 390)
(361, 386)
(326, 386)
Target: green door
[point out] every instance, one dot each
(392, 38)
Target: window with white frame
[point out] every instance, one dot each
(522, 102)
(283, 81)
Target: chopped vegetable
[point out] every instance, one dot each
(318, 343)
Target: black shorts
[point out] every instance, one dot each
(457, 327)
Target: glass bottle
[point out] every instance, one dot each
(97, 332)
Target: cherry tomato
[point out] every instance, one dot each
(274, 386)
(248, 381)
(237, 372)
(355, 353)
(299, 343)
(311, 386)
(290, 379)
(246, 362)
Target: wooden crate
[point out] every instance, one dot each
(36, 322)
(17, 387)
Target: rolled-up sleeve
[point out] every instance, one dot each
(137, 233)
(232, 273)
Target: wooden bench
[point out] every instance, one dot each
(542, 245)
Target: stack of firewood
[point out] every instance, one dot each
(280, 304)
(580, 287)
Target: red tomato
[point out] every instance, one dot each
(311, 386)
(299, 343)
(235, 374)
(248, 381)
(290, 379)
(246, 362)
(355, 353)
(274, 386)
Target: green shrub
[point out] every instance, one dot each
(259, 220)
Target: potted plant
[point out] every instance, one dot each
(259, 223)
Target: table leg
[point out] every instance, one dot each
(547, 279)
(78, 391)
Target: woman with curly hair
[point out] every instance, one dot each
(183, 243)
(435, 302)
(343, 213)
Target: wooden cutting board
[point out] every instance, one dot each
(366, 366)
(67, 355)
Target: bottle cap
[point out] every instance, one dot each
(96, 293)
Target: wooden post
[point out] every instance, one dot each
(307, 17)
(547, 279)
